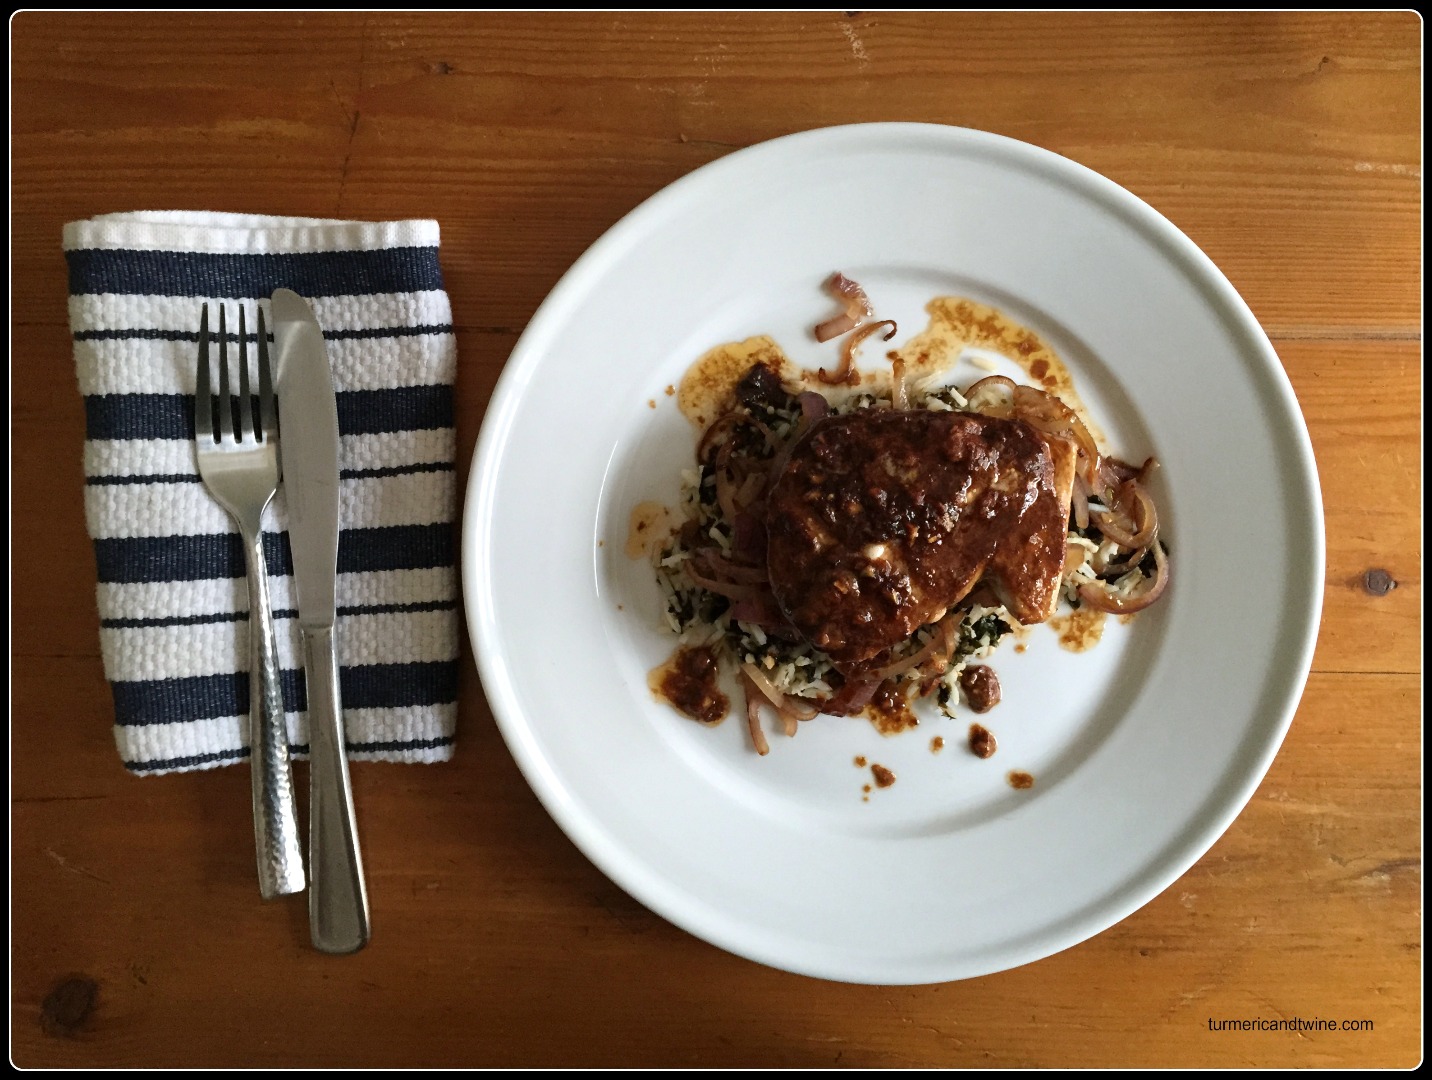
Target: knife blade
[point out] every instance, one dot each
(308, 426)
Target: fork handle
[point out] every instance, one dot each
(338, 898)
(275, 820)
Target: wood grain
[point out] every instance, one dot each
(1286, 145)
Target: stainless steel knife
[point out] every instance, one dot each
(308, 423)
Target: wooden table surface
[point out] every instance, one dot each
(1286, 145)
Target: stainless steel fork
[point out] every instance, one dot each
(238, 461)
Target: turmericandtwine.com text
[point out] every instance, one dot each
(1296, 1023)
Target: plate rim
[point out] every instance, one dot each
(1184, 848)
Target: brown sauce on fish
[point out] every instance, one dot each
(882, 520)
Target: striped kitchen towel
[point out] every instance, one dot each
(172, 594)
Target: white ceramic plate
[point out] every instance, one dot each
(1143, 750)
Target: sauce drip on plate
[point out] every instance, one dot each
(687, 682)
(1079, 630)
(650, 522)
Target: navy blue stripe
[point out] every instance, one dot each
(345, 474)
(242, 752)
(404, 408)
(205, 697)
(193, 335)
(181, 620)
(397, 470)
(159, 335)
(133, 559)
(405, 744)
(149, 478)
(253, 276)
(187, 762)
(360, 412)
(283, 613)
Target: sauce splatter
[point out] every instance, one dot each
(937, 744)
(1080, 629)
(883, 776)
(958, 323)
(889, 710)
(981, 687)
(650, 522)
(687, 682)
(1021, 780)
(982, 741)
(708, 389)
(670, 390)
(860, 761)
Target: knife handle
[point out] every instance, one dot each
(275, 818)
(337, 896)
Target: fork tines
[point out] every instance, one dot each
(215, 418)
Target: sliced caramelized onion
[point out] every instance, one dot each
(753, 715)
(1113, 529)
(1113, 473)
(1143, 515)
(846, 373)
(749, 491)
(712, 562)
(992, 396)
(1080, 502)
(1102, 599)
(1046, 412)
(790, 709)
(857, 308)
(1113, 571)
(813, 406)
(727, 589)
(843, 323)
(722, 425)
(764, 685)
(899, 388)
(800, 709)
(725, 491)
(942, 644)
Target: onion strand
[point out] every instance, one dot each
(1102, 599)
(846, 373)
(857, 308)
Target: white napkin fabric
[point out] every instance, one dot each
(172, 593)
